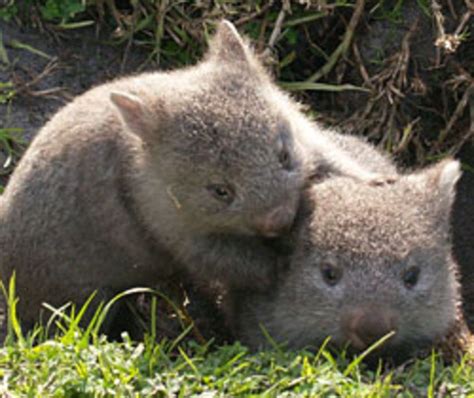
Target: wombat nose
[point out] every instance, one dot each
(362, 327)
(275, 222)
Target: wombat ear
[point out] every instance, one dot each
(449, 175)
(227, 45)
(133, 111)
(441, 180)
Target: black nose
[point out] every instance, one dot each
(362, 327)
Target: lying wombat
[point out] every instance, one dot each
(368, 260)
(137, 175)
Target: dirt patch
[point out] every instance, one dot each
(46, 73)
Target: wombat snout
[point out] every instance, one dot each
(275, 222)
(362, 327)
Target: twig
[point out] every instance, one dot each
(159, 33)
(344, 46)
(313, 45)
(23, 46)
(457, 114)
(47, 92)
(50, 67)
(470, 5)
(115, 13)
(276, 30)
(464, 19)
(404, 59)
(256, 14)
(451, 9)
(449, 42)
(189, 321)
(362, 69)
(3, 53)
(128, 46)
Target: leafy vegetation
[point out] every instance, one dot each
(61, 10)
(11, 141)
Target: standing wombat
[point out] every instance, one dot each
(137, 175)
(368, 260)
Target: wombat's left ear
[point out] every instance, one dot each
(228, 46)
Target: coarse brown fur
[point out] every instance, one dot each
(368, 261)
(191, 167)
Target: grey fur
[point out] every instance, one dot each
(115, 190)
(378, 166)
(372, 235)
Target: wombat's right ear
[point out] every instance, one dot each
(228, 45)
(441, 181)
(444, 176)
(134, 112)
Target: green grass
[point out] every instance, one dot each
(82, 363)
(61, 367)
(11, 139)
(11, 146)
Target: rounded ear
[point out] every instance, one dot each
(135, 114)
(228, 46)
(443, 178)
(440, 183)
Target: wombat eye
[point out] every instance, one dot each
(284, 153)
(331, 273)
(221, 192)
(285, 159)
(410, 277)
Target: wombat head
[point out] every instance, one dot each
(219, 137)
(368, 261)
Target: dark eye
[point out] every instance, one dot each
(285, 159)
(331, 273)
(410, 277)
(284, 152)
(222, 192)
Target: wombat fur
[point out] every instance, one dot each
(379, 166)
(367, 261)
(191, 167)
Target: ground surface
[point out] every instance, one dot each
(48, 72)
